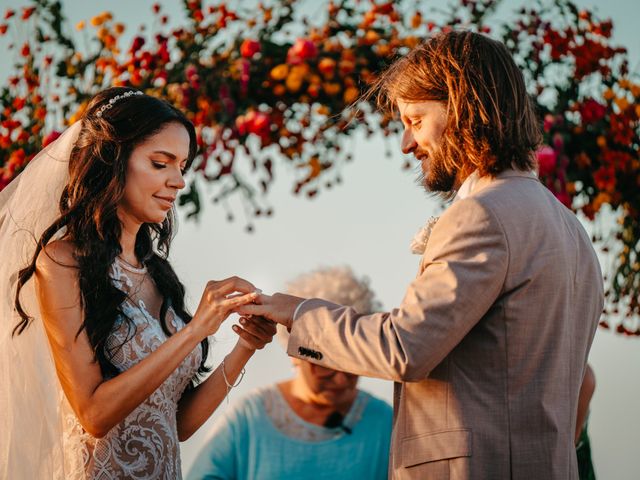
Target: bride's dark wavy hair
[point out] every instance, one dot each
(88, 207)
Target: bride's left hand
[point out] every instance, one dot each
(254, 331)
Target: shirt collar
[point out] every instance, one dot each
(467, 186)
(475, 182)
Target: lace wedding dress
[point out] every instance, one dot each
(145, 444)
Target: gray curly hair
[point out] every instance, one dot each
(335, 284)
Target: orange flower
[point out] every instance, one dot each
(622, 103)
(601, 199)
(313, 90)
(383, 50)
(411, 41)
(294, 82)
(97, 21)
(371, 37)
(323, 110)
(80, 25)
(316, 167)
(416, 20)
(331, 88)
(279, 72)
(327, 66)
(350, 95)
(40, 113)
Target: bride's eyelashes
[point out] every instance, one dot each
(161, 165)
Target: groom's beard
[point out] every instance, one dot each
(433, 175)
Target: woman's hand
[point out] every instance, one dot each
(255, 332)
(218, 301)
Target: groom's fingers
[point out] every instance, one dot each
(254, 340)
(255, 330)
(259, 326)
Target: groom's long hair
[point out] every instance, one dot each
(492, 124)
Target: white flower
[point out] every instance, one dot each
(419, 242)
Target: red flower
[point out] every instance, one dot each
(50, 138)
(137, 44)
(254, 122)
(27, 12)
(558, 41)
(249, 48)
(591, 111)
(9, 13)
(605, 179)
(16, 159)
(26, 51)
(156, 8)
(301, 50)
(3, 28)
(547, 160)
(19, 103)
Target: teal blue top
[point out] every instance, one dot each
(245, 444)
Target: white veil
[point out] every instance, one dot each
(31, 399)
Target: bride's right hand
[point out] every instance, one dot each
(218, 301)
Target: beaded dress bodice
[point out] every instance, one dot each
(145, 444)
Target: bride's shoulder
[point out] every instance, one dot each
(57, 257)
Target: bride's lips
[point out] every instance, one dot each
(166, 201)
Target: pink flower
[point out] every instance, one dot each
(547, 160)
(301, 50)
(249, 48)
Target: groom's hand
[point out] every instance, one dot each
(277, 307)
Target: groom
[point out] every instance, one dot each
(489, 345)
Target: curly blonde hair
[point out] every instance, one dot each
(335, 284)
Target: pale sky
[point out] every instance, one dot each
(368, 223)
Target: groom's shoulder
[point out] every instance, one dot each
(505, 195)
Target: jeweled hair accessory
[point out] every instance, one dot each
(112, 101)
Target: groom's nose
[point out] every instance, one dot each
(408, 143)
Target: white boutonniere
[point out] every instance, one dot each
(419, 242)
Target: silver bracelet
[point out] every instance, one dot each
(231, 385)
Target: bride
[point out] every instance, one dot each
(96, 302)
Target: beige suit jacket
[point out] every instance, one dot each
(489, 345)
